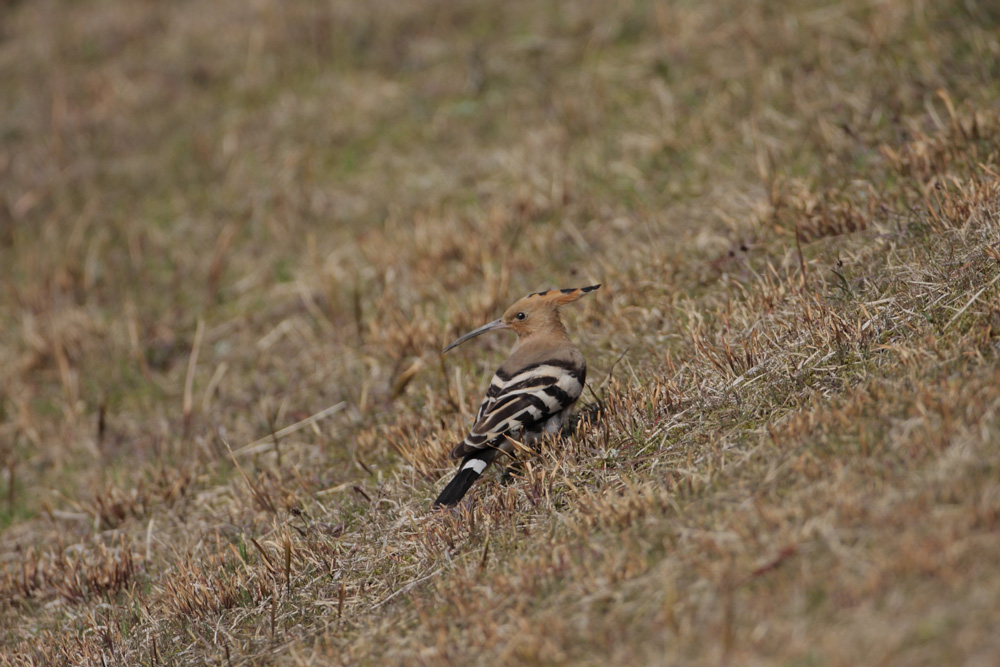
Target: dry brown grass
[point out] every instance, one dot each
(234, 238)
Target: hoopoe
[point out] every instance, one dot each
(532, 391)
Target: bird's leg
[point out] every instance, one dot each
(513, 470)
(509, 447)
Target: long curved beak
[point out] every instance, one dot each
(492, 326)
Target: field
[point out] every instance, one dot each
(234, 237)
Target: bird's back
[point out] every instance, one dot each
(537, 382)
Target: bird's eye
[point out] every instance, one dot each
(520, 316)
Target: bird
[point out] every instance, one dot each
(532, 391)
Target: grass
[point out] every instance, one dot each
(234, 240)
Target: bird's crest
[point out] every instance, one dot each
(538, 311)
(548, 300)
(560, 297)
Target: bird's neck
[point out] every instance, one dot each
(553, 335)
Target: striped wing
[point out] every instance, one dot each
(523, 399)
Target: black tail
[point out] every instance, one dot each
(471, 469)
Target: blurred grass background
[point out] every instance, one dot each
(219, 220)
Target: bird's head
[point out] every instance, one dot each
(535, 313)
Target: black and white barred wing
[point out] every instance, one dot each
(521, 400)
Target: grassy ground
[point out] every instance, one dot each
(219, 221)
